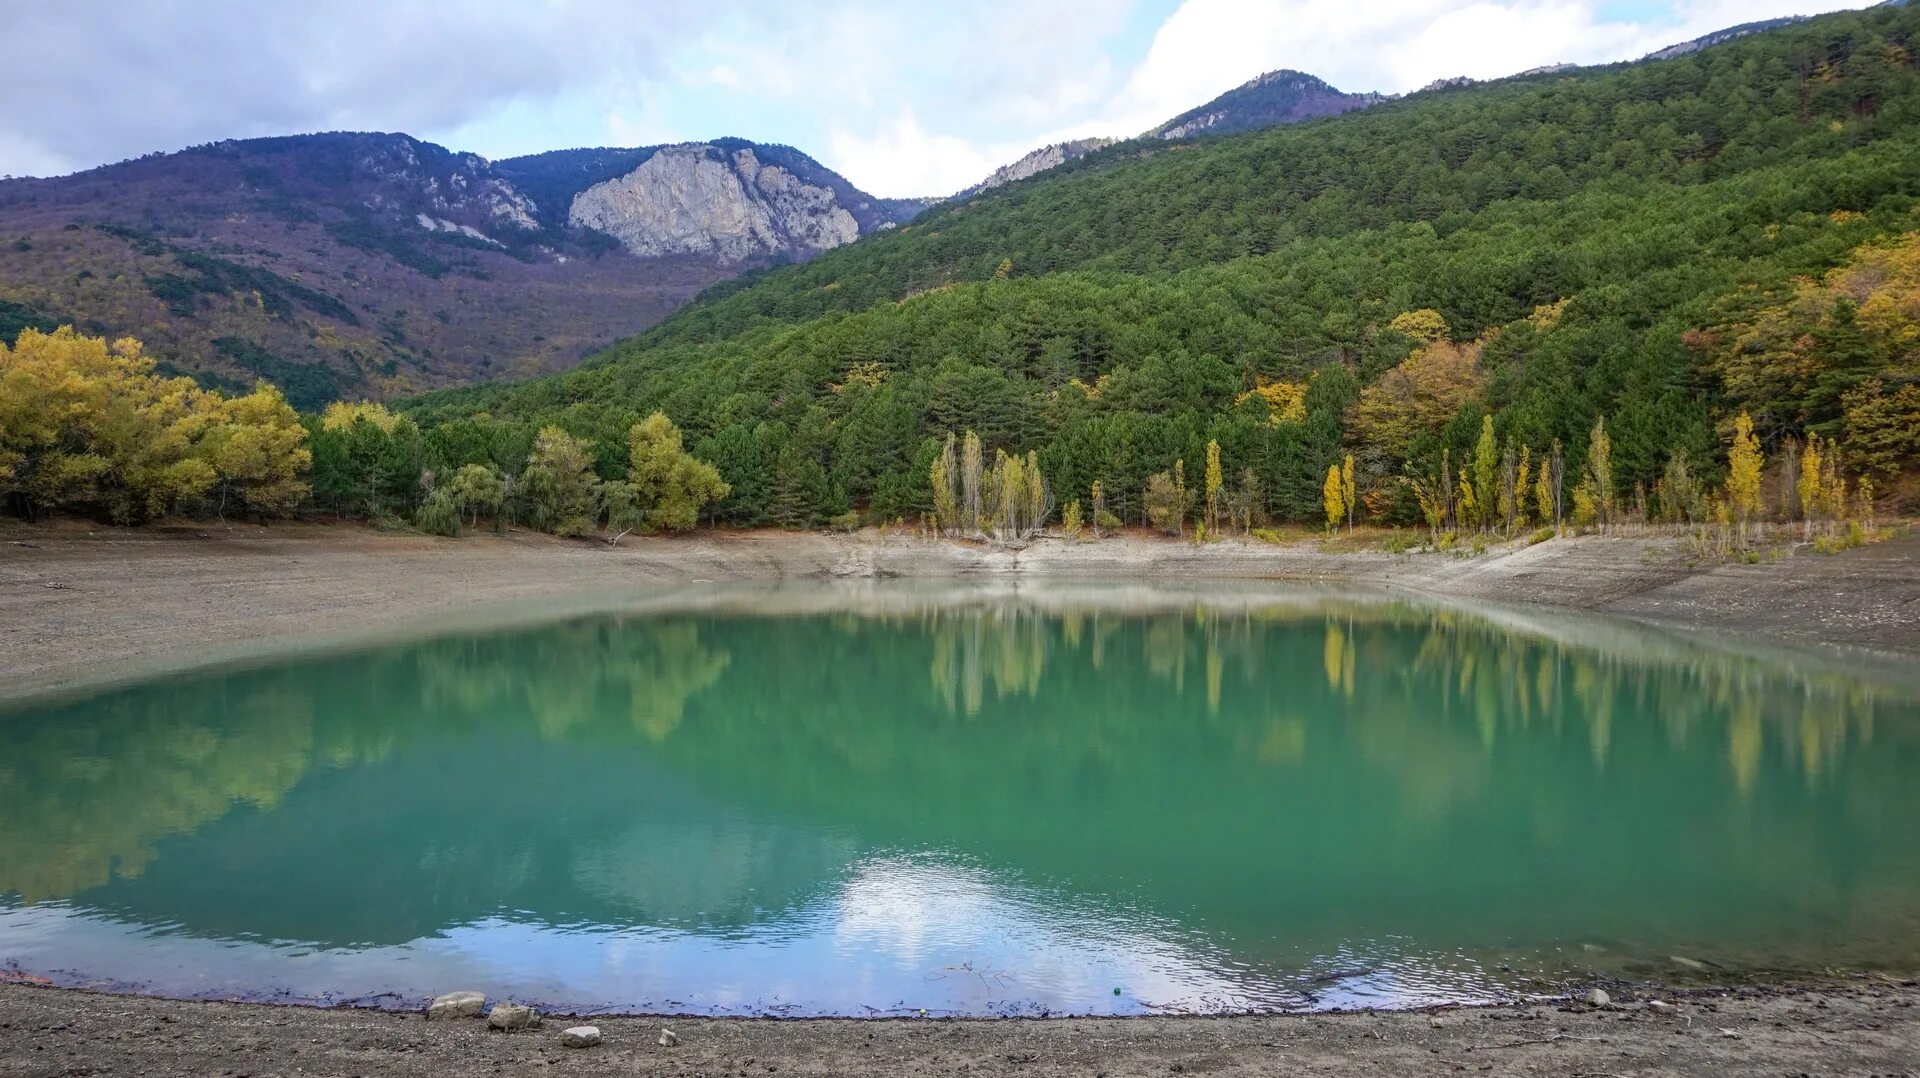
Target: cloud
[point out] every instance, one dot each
(162, 76)
(903, 159)
(902, 99)
(1394, 46)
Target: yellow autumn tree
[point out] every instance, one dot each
(1332, 495)
(1743, 473)
(90, 427)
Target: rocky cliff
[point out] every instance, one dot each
(701, 199)
(1038, 161)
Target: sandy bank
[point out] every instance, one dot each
(78, 605)
(1860, 1027)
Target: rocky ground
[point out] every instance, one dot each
(1862, 1027)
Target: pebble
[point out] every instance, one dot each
(1690, 963)
(457, 1005)
(1661, 1006)
(513, 1016)
(1599, 998)
(668, 1039)
(580, 1036)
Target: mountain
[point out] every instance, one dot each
(1719, 37)
(730, 199)
(1277, 97)
(1038, 161)
(1656, 245)
(371, 264)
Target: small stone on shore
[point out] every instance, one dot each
(1599, 998)
(668, 1038)
(1661, 1006)
(512, 1016)
(580, 1036)
(457, 1005)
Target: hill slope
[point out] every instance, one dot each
(1579, 240)
(1277, 97)
(376, 264)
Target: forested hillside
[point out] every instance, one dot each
(1547, 251)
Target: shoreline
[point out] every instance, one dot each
(86, 607)
(1850, 1025)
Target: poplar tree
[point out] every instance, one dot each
(1332, 495)
(1523, 482)
(971, 468)
(1180, 496)
(1557, 484)
(1743, 473)
(946, 505)
(1486, 472)
(1215, 482)
(1098, 497)
(1346, 490)
(1039, 496)
(1600, 472)
(1810, 486)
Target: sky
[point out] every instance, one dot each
(903, 97)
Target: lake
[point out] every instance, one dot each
(883, 798)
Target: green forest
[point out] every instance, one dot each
(1651, 250)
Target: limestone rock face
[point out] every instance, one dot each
(1038, 161)
(698, 199)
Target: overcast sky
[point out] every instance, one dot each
(903, 97)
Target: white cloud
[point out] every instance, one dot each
(902, 99)
(1394, 46)
(903, 159)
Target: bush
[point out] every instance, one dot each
(1540, 536)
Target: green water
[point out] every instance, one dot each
(1102, 799)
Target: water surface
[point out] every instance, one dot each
(880, 799)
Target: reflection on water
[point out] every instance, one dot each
(831, 800)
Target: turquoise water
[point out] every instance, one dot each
(840, 800)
